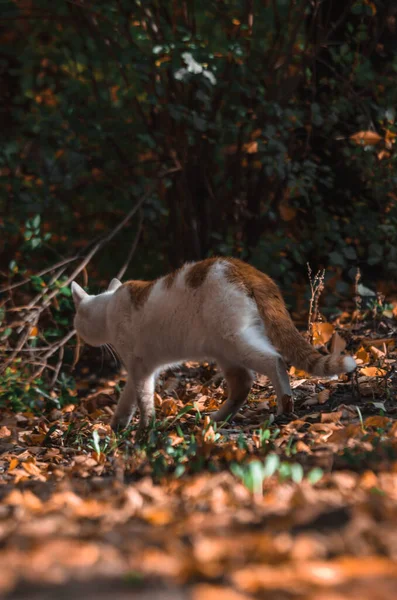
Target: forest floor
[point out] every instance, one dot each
(302, 506)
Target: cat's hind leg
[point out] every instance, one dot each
(255, 352)
(239, 381)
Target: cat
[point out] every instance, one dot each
(218, 308)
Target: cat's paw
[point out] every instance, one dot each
(119, 422)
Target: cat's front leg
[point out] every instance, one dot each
(145, 397)
(126, 407)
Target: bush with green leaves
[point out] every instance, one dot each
(246, 109)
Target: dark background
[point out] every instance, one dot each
(234, 117)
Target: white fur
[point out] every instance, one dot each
(214, 321)
(349, 363)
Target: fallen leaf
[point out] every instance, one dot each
(377, 422)
(4, 432)
(298, 373)
(362, 355)
(175, 438)
(383, 154)
(14, 462)
(323, 396)
(343, 435)
(297, 383)
(204, 591)
(379, 405)
(378, 342)
(376, 353)
(372, 372)
(169, 407)
(157, 516)
(332, 417)
(322, 333)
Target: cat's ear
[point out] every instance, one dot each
(78, 293)
(114, 285)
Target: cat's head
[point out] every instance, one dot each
(90, 320)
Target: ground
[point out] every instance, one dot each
(301, 506)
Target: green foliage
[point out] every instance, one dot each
(254, 473)
(249, 112)
(21, 394)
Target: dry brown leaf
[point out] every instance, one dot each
(370, 386)
(320, 398)
(297, 383)
(383, 154)
(311, 401)
(332, 417)
(209, 435)
(169, 407)
(206, 421)
(211, 404)
(298, 373)
(205, 591)
(343, 435)
(323, 574)
(157, 516)
(369, 480)
(393, 430)
(322, 333)
(14, 462)
(366, 138)
(378, 342)
(377, 422)
(175, 438)
(372, 372)
(302, 447)
(4, 432)
(323, 396)
(376, 353)
(362, 356)
(26, 499)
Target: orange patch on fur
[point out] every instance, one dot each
(197, 273)
(139, 291)
(278, 323)
(170, 278)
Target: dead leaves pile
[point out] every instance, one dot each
(79, 504)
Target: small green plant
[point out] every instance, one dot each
(255, 472)
(32, 234)
(20, 393)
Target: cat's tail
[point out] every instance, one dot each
(287, 339)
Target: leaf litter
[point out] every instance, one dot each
(299, 506)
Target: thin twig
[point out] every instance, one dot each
(316, 289)
(21, 342)
(57, 366)
(54, 348)
(42, 300)
(62, 263)
(133, 248)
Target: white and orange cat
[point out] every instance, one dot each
(219, 308)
